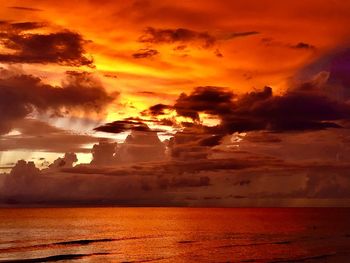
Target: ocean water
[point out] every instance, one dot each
(175, 235)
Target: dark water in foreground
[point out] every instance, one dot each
(175, 235)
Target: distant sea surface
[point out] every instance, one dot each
(175, 235)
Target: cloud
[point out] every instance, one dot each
(41, 136)
(329, 74)
(241, 34)
(17, 27)
(212, 100)
(339, 73)
(104, 153)
(292, 111)
(263, 137)
(139, 146)
(211, 140)
(63, 48)
(28, 185)
(22, 8)
(144, 154)
(305, 107)
(21, 95)
(296, 110)
(145, 53)
(66, 162)
(122, 126)
(257, 178)
(327, 186)
(174, 167)
(60, 185)
(270, 42)
(21, 174)
(182, 35)
(218, 53)
(302, 45)
(192, 144)
(157, 109)
(319, 181)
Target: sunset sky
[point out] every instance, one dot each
(199, 103)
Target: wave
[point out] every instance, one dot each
(302, 259)
(80, 242)
(186, 241)
(53, 258)
(283, 242)
(86, 241)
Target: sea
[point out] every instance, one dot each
(120, 234)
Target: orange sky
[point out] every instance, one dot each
(268, 57)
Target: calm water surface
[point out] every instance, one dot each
(175, 235)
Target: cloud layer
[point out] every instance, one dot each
(64, 48)
(300, 109)
(21, 95)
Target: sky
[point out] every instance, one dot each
(163, 103)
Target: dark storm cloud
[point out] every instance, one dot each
(145, 53)
(122, 126)
(162, 122)
(22, 94)
(170, 36)
(293, 111)
(305, 107)
(135, 124)
(302, 45)
(157, 109)
(64, 48)
(296, 110)
(212, 100)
